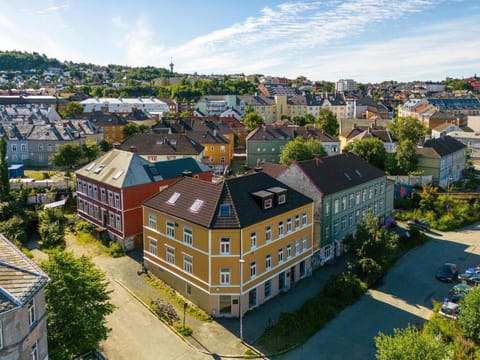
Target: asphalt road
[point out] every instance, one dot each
(404, 297)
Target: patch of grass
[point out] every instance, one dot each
(183, 330)
(115, 250)
(170, 294)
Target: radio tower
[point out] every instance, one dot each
(171, 65)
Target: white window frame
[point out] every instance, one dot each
(34, 351)
(188, 263)
(304, 219)
(188, 236)
(268, 262)
(170, 255)
(225, 246)
(289, 251)
(280, 255)
(32, 315)
(170, 229)
(225, 276)
(297, 221)
(280, 229)
(253, 240)
(253, 269)
(268, 234)
(289, 225)
(304, 243)
(152, 221)
(152, 246)
(297, 247)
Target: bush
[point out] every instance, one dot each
(82, 226)
(115, 250)
(183, 330)
(345, 288)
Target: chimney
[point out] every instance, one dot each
(214, 132)
(116, 145)
(318, 160)
(133, 149)
(186, 173)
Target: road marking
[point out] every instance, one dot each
(417, 310)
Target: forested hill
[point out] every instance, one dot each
(24, 61)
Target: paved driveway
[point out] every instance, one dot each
(404, 297)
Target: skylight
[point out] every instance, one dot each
(99, 169)
(197, 204)
(118, 174)
(347, 176)
(90, 167)
(173, 199)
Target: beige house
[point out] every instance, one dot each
(23, 315)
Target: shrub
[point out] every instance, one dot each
(82, 226)
(346, 288)
(183, 330)
(115, 250)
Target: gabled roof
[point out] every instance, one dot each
(20, 277)
(235, 192)
(162, 144)
(339, 172)
(441, 146)
(271, 132)
(117, 168)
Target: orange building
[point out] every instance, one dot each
(232, 246)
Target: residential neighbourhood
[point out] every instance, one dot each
(196, 197)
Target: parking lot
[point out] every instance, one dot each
(404, 297)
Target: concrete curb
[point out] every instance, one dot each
(185, 339)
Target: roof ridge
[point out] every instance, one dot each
(22, 255)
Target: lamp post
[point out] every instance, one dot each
(240, 299)
(449, 181)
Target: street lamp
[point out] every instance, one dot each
(240, 299)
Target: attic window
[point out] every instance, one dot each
(347, 176)
(173, 199)
(267, 203)
(99, 169)
(225, 210)
(282, 198)
(118, 174)
(90, 167)
(358, 173)
(197, 204)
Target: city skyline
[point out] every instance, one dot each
(365, 40)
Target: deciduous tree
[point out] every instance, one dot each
(252, 120)
(370, 149)
(328, 122)
(406, 156)
(78, 303)
(409, 344)
(469, 319)
(300, 149)
(407, 128)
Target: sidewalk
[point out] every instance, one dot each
(218, 338)
(206, 335)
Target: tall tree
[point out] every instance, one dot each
(78, 303)
(51, 227)
(4, 178)
(409, 344)
(407, 128)
(370, 150)
(328, 122)
(406, 156)
(252, 120)
(67, 156)
(300, 149)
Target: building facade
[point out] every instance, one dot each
(228, 247)
(23, 314)
(111, 189)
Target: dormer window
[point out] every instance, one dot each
(268, 203)
(282, 199)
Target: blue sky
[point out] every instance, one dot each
(365, 40)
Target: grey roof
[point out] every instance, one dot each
(235, 192)
(442, 146)
(162, 144)
(455, 104)
(338, 172)
(118, 168)
(20, 277)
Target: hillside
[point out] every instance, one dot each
(24, 61)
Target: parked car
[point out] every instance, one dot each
(447, 272)
(423, 225)
(457, 292)
(449, 309)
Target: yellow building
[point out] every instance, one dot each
(232, 246)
